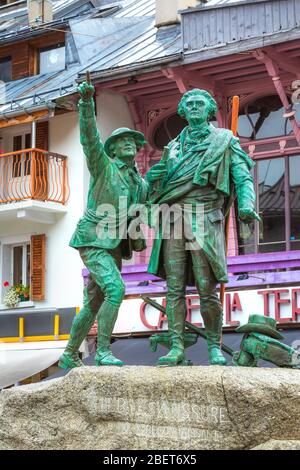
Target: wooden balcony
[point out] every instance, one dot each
(33, 174)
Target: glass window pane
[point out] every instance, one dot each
(271, 247)
(246, 233)
(17, 160)
(27, 156)
(245, 128)
(246, 238)
(17, 265)
(289, 128)
(294, 163)
(52, 60)
(167, 130)
(263, 118)
(5, 69)
(17, 143)
(295, 246)
(271, 200)
(28, 141)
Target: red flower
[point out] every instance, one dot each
(6, 283)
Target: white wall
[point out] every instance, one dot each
(63, 264)
(112, 112)
(64, 281)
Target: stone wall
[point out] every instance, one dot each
(154, 408)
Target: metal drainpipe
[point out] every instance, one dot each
(33, 134)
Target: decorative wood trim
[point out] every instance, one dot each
(37, 267)
(42, 135)
(24, 119)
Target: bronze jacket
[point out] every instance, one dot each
(216, 164)
(113, 188)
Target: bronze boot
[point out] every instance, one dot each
(176, 354)
(213, 330)
(106, 323)
(81, 325)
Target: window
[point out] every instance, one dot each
(264, 118)
(271, 199)
(278, 202)
(294, 201)
(5, 69)
(168, 130)
(15, 264)
(21, 161)
(52, 59)
(21, 264)
(22, 261)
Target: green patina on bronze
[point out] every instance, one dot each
(202, 166)
(116, 181)
(260, 342)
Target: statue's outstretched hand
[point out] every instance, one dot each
(86, 90)
(247, 215)
(157, 172)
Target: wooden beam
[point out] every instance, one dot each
(273, 71)
(283, 62)
(224, 67)
(288, 46)
(247, 72)
(215, 62)
(160, 89)
(109, 83)
(23, 119)
(179, 76)
(185, 80)
(141, 85)
(247, 86)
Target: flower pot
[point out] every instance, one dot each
(23, 298)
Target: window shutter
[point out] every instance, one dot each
(42, 135)
(37, 267)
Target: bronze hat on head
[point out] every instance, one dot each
(139, 138)
(260, 324)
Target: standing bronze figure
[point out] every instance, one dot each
(203, 166)
(115, 182)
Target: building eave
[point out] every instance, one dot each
(149, 66)
(239, 46)
(29, 33)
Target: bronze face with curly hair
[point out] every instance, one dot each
(197, 106)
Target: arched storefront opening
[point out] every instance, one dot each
(263, 118)
(167, 129)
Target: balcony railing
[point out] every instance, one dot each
(33, 174)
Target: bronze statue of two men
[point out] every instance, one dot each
(199, 169)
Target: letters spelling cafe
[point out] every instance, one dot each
(263, 257)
